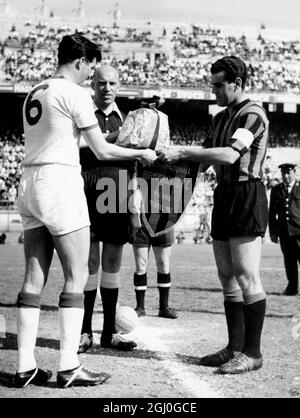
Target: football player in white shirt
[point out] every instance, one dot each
(53, 206)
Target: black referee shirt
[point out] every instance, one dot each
(108, 123)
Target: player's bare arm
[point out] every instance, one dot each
(106, 151)
(219, 155)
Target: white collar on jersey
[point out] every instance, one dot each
(111, 108)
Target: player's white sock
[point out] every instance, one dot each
(70, 322)
(27, 325)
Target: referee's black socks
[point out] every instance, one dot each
(89, 302)
(109, 303)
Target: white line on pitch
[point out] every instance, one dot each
(197, 387)
(19, 268)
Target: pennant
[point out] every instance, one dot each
(167, 189)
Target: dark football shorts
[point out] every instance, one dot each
(142, 238)
(111, 228)
(240, 209)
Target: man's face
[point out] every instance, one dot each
(224, 90)
(105, 85)
(288, 175)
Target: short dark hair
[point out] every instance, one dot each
(76, 46)
(233, 67)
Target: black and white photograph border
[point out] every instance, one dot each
(166, 362)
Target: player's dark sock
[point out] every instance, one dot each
(163, 283)
(254, 315)
(109, 303)
(140, 298)
(89, 302)
(234, 312)
(140, 285)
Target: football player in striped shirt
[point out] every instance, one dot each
(237, 147)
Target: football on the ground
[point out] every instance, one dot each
(126, 319)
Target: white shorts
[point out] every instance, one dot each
(52, 195)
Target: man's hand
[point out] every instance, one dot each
(172, 154)
(148, 157)
(274, 239)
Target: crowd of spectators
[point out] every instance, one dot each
(185, 63)
(41, 37)
(194, 73)
(194, 41)
(164, 73)
(11, 156)
(265, 77)
(181, 133)
(282, 135)
(191, 133)
(279, 50)
(27, 66)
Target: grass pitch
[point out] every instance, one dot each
(165, 363)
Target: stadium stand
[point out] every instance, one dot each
(184, 60)
(11, 155)
(182, 132)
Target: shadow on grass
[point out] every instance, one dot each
(10, 342)
(194, 288)
(7, 380)
(273, 294)
(146, 355)
(8, 305)
(43, 307)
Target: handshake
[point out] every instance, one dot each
(169, 155)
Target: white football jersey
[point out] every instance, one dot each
(54, 113)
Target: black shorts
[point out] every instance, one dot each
(112, 228)
(142, 238)
(240, 209)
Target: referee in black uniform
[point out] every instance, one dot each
(112, 229)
